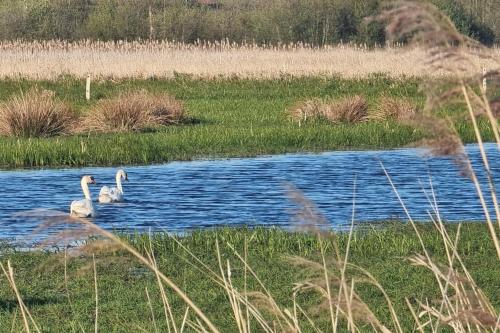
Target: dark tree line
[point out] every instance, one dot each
(316, 22)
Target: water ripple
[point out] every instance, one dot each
(184, 195)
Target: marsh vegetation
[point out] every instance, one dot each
(223, 118)
(399, 277)
(58, 288)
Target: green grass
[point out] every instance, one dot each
(231, 118)
(60, 307)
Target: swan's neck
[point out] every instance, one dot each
(86, 192)
(119, 183)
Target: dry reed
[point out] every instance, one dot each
(450, 51)
(133, 111)
(35, 114)
(116, 60)
(305, 111)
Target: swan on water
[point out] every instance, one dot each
(114, 194)
(84, 208)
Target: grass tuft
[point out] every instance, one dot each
(391, 108)
(351, 109)
(134, 111)
(307, 110)
(35, 114)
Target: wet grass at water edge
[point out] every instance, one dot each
(67, 305)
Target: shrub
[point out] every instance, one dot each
(35, 114)
(348, 110)
(134, 111)
(372, 33)
(390, 108)
(466, 22)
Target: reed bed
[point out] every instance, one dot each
(118, 60)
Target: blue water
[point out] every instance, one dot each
(184, 195)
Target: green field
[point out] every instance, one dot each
(67, 305)
(228, 118)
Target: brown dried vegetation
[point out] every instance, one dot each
(390, 108)
(35, 114)
(109, 60)
(134, 111)
(352, 109)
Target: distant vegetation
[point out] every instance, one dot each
(315, 22)
(53, 60)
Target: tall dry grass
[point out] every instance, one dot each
(35, 114)
(450, 52)
(115, 60)
(133, 111)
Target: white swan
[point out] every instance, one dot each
(113, 194)
(84, 208)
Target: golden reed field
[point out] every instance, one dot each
(51, 59)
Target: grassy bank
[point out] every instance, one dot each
(230, 117)
(67, 304)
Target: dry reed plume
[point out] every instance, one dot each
(352, 109)
(116, 60)
(35, 114)
(451, 52)
(133, 111)
(463, 307)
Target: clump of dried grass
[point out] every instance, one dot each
(134, 111)
(307, 110)
(349, 110)
(390, 108)
(352, 109)
(35, 114)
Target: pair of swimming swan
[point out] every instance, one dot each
(84, 208)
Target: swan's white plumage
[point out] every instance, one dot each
(107, 195)
(84, 208)
(113, 194)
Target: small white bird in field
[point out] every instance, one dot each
(113, 194)
(84, 208)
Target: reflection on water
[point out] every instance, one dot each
(183, 195)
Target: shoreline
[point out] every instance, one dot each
(234, 118)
